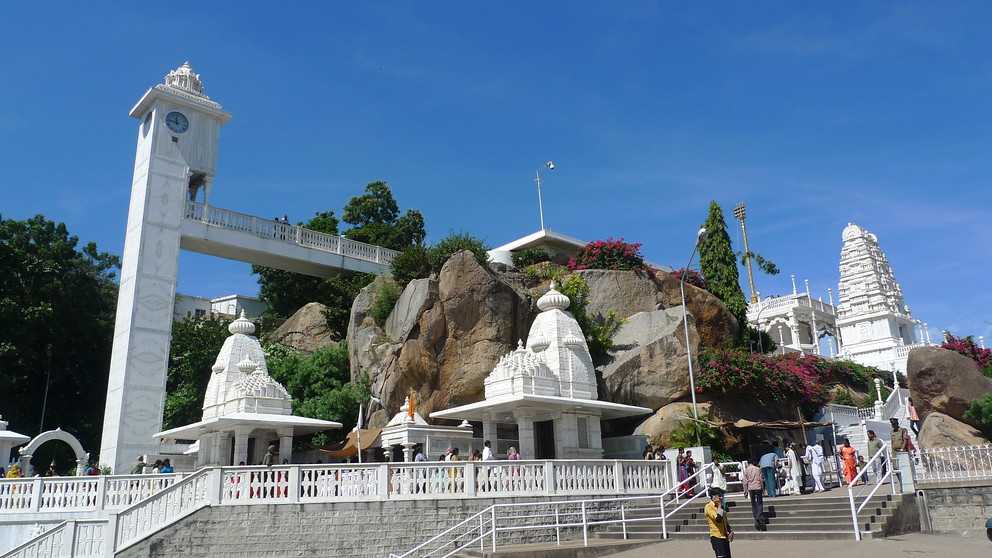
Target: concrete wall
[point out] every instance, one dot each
(341, 530)
(961, 507)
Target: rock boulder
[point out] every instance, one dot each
(944, 381)
(660, 426)
(622, 292)
(648, 365)
(941, 431)
(714, 323)
(306, 330)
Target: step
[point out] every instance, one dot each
(754, 535)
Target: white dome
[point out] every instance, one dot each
(851, 231)
(241, 325)
(553, 300)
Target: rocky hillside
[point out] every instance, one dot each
(943, 384)
(445, 334)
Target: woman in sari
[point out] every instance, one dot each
(680, 468)
(690, 469)
(849, 457)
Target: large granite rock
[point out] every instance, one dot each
(714, 323)
(622, 292)
(660, 426)
(442, 338)
(944, 381)
(648, 365)
(306, 330)
(941, 431)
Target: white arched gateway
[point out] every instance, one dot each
(82, 457)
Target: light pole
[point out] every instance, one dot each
(685, 325)
(540, 198)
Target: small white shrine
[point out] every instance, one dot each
(548, 390)
(244, 409)
(797, 322)
(8, 441)
(408, 429)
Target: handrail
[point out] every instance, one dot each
(706, 490)
(143, 518)
(886, 452)
(484, 513)
(33, 543)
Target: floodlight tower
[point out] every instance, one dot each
(739, 212)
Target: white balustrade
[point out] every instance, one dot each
(162, 509)
(323, 484)
(954, 464)
(647, 476)
(584, 477)
(285, 232)
(503, 478)
(69, 494)
(122, 491)
(75, 539)
(74, 494)
(16, 495)
(428, 480)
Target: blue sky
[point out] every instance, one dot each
(872, 112)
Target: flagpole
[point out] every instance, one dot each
(540, 198)
(358, 433)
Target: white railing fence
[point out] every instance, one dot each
(77, 494)
(76, 539)
(560, 520)
(952, 464)
(168, 506)
(881, 459)
(285, 232)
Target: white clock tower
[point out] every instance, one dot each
(175, 160)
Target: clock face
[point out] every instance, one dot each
(177, 122)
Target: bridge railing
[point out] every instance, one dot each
(285, 232)
(79, 494)
(75, 539)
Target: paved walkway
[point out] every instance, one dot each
(915, 545)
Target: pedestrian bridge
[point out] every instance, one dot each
(238, 236)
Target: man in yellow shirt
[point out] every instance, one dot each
(720, 532)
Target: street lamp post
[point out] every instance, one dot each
(685, 325)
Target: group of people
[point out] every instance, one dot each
(160, 466)
(454, 454)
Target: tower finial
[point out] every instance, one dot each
(186, 79)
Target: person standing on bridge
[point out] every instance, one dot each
(721, 534)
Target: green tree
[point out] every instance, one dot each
(456, 242)
(195, 342)
(375, 219)
(57, 311)
(979, 414)
(320, 385)
(719, 264)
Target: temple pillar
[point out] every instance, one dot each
(241, 445)
(286, 446)
(566, 436)
(525, 435)
(489, 433)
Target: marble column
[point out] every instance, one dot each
(241, 445)
(566, 436)
(285, 446)
(489, 433)
(525, 435)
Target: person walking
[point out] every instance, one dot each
(849, 457)
(648, 454)
(721, 534)
(767, 464)
(814, 457)
(690, 470)
(913, 416)
(753, 487)
(269, 459)
(487, 451)
(419, 457)
(139, 466)
(874, 446)
(795, 469)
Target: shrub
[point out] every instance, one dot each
(544, 271)
(685, 434)
(385, 299)
(967, 347)
(608, 254)
(692, 277)
(599, 331)
(414, 262)
(844, 397)
(979, 414)
(530, 256)
(440, 252)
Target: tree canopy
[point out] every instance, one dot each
(718, 263)
(57, 310)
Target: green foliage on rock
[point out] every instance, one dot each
(320, 386)
(385, 300)
(195, 343)
(599, 332)
(530, 256)
(719, 264)
(413, 262)
(689, 431)
(545, 271)
(57, 311)
(979, 414)
(456, 242)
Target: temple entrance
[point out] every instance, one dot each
(544, 439)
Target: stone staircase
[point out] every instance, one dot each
(790, 518)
